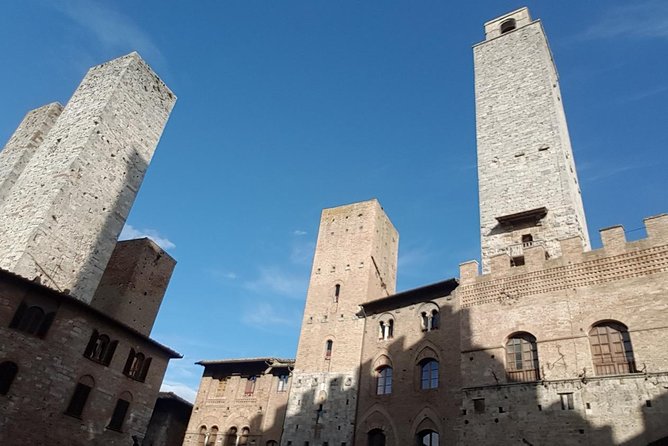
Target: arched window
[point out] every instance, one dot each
(80, 396)
(508, 25)
(243, 438)
(213, 436)
(435, 321)
(231, 436)
(522, 358)
(384, 380)
(611, 350)
(100, 348)
(8, 371)
(386, 327)
(376, 437)
(136, 366)
(430, 318)
(427, 438)
(428, 374)
(329, 345)
(120, 412)
(337, 292)
(32, 319)
(201, 437)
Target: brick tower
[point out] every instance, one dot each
(528, 186)
(65, 199)
(355, 261)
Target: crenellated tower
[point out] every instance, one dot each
(528, 187)
(355, 261)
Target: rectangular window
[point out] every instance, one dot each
(220, 390)
(283, 383)
(118, 416)
(78, 401)
(250, 386)
(566, 401)
(479, 405)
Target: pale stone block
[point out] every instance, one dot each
(613, 239)
(468, 271)
(657, 227)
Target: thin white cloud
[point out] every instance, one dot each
(223, 274)
(129, 232)
(299, 232)
(302, 253)
(275, 280)
(110, 27)
(603, 172)
(640, 20)
(266, 316)
(184, 391)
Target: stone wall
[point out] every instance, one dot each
(558, 301)
(222, 402)
(50, 367)
(408, 409)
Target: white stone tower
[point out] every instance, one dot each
(69, 196)
(355, 261)
(528, 186)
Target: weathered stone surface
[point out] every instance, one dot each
(525, 160)
(60, 221)
(23, 144)
(134, 283)
(356, 250)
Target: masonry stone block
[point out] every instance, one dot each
(613, 239)
(657, 226)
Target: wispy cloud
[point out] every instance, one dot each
(602, 172)
(298, 232)
(412, 257)
(111, 28)
(302, 253)
(276, 280)
(267, 316)
(184, 391)
(640, 20)
(223, 274)
(130, 232)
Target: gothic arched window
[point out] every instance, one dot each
(428, 374)
(522, 358)
(384, 380)
(428, 438)
(611, 350)
(376, 437)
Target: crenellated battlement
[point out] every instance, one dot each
(616, 260)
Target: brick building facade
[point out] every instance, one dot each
(552, 343)
(77, 365)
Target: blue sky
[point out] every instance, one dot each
(287, 107)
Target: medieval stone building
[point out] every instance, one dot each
(551, 343)
(77, 365)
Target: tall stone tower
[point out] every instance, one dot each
(355, 261)
(68, 196)
(528, 186)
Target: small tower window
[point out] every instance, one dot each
(508, 26)
(337, 292)
(328, 349)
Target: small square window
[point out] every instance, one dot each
(566, 401)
